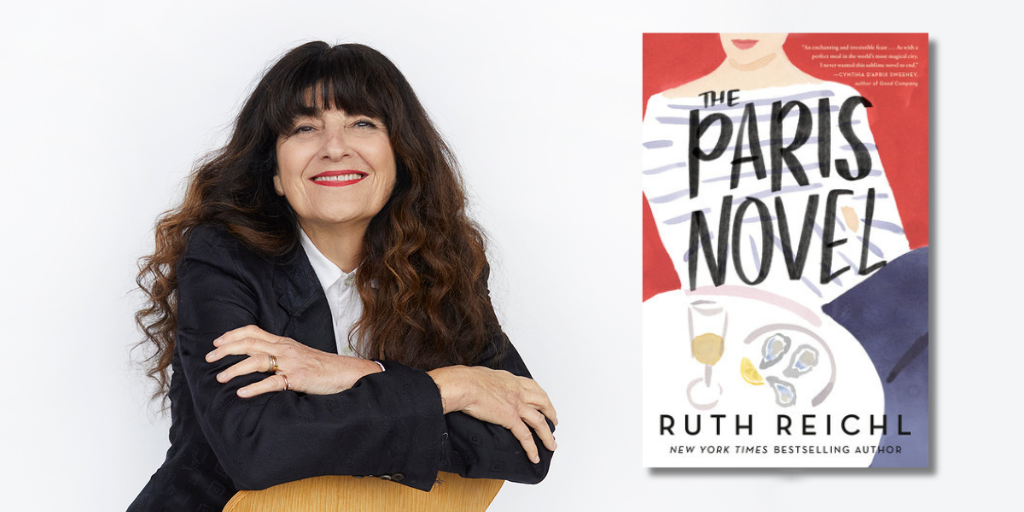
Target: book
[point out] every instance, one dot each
(785, 238)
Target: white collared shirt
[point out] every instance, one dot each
(340, 289)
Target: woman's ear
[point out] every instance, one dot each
(277, 183)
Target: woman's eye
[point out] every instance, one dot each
(366, 123)
(302, 129)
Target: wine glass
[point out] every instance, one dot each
(707, 321)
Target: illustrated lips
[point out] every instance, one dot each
(744, 44)
(338, 178)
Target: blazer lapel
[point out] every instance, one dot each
(299, 293)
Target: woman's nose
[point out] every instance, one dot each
(335, 146)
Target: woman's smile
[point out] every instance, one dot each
(338, 178)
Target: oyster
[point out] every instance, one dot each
(785, 393)
(773, 349)
(804, 359)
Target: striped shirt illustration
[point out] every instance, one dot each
(867, 228)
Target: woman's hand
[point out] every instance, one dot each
(299, 367)
(501, 398)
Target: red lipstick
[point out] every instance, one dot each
(338, 178)
(744, 44)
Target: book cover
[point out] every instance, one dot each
(785, 204)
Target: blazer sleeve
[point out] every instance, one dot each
(389, 423)
(477, 449)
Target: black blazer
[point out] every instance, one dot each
(390, 424)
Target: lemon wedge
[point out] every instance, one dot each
(750, 373)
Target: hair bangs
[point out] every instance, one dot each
(340, 77)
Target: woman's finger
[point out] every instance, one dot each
(249, 331)
(253, 364)
(525, 437)
(533, 394)
(538, 399)
(244, 346)
(535, 419)
(267, 385)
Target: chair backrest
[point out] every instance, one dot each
(368, 494)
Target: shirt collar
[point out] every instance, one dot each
(326, 271)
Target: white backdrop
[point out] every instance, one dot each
(106, 106)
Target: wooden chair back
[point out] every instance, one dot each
(368, 494)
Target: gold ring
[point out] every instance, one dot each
(273, 364)
(287, 386)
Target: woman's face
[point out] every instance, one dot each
(336, 170)
(747, 48)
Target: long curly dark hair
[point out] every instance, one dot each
(428, 306)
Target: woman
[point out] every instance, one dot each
(321, 298)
